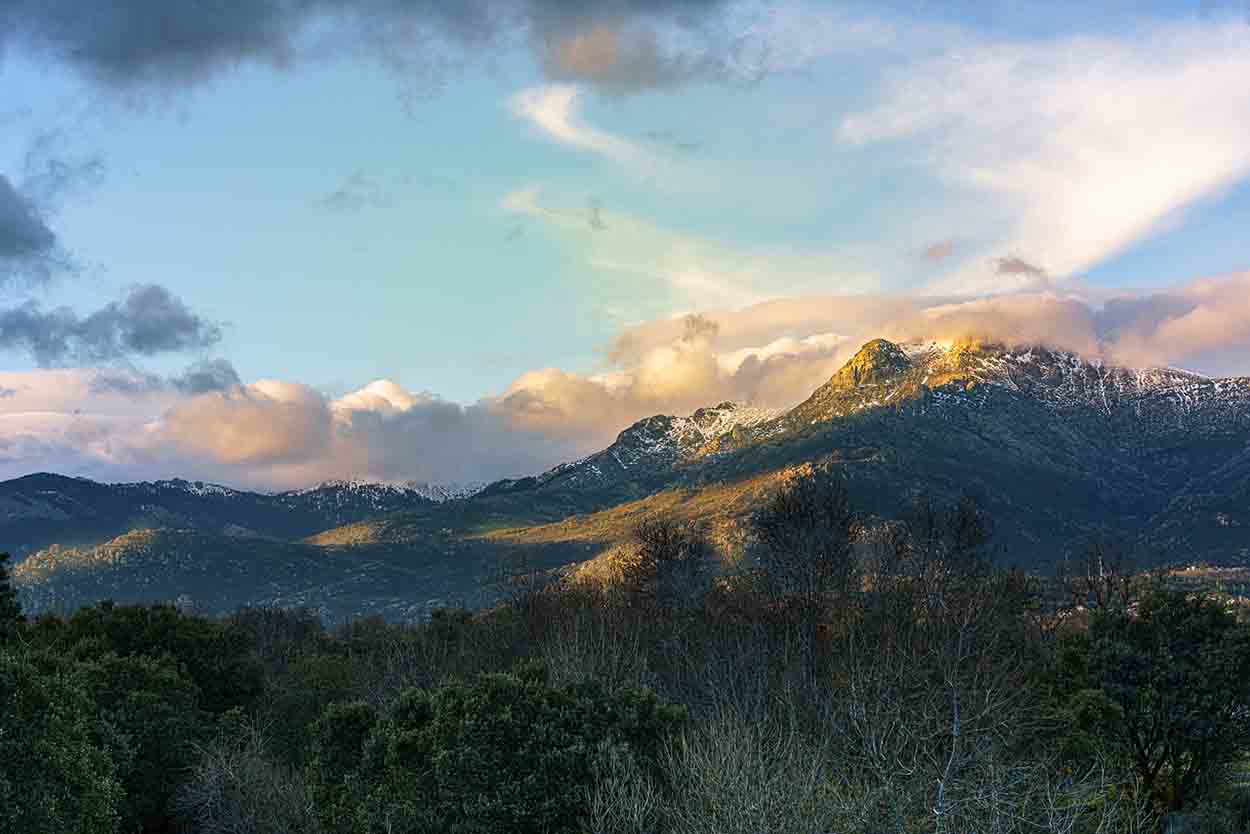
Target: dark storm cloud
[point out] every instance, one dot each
(148, 321)
(28, 248)
(127, 42)
(202, 377)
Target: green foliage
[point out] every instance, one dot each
(298, 697)
(216, 656)
(57, 774)
(503, 753)
(10, 609)
(1165, 688)
(155, 710)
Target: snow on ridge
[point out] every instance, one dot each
(422, 489)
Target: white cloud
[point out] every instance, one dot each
(553, 109)
(1086, 144)
(686, 272)
(732, 361)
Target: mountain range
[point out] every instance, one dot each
(1054, 447)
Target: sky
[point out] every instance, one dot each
(273, 242)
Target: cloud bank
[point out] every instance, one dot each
(281, 434)
(620, 44)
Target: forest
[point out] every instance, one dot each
(845, 675)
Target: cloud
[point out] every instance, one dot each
(670, 271)
(5, 393)
(1084, 144)
(207, 375)
(618, 59)
(28, 248)
(552, 108)
(266, 423)
(129, 43)
(148, 321)
(201, 377)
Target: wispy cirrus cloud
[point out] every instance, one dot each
(674, 271)
(553, 109)
(1086, 144)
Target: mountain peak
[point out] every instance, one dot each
(877, 363)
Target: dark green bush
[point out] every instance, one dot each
(1164, 688)
(10, 609)
(503, 753)
(57, 769)
(217, 656)
(155, 711)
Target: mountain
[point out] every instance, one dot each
(40, 510)
(1053, 446)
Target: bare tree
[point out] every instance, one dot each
(1105, 574)
(670, 562)
(804, 540)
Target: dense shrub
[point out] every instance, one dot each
(10, 609)
(155, 711)
(57, 769)
(503, 753)
(234, 787)
(1164, 687)
(217, 656)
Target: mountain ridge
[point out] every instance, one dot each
(1054, 446)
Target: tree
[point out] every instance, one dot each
(502, 753)
(155, 709)
(1104, 576)
(805, 538)
(1165, 687)
(670, 561)
(216, 656)
(10, 608)
(57, 774)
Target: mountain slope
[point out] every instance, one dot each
(40, 510)
(1054, 446)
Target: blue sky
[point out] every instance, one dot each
(358, 214)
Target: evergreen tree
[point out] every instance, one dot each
(10, 608)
